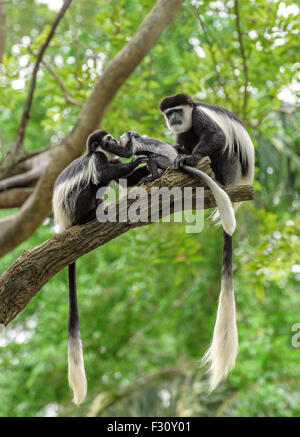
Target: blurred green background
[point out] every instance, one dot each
(148, 299)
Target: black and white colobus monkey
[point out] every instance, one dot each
(74, 202)
(208, 130)
(162, 155)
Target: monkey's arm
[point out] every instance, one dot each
(117, 171)
(124, 152)
(212, 140)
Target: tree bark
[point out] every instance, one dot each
(20, 283)
(38, 206)
(14, 198)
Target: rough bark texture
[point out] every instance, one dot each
(20, 283)
(37, 207)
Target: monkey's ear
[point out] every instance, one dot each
(190, 101)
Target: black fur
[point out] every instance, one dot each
(107, 171)
(205, 138)
(80, 203)
(171, 101)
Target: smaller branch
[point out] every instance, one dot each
(21, 180)
(67, 96)
(14, 198)
(105, 400)
(36, 167)
(18, 143)
(280, 110)
(245, 67)
(211, 51)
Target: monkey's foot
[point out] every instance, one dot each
(146, 180)
(190, 160)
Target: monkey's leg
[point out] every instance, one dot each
(135, 177)
(152, 165)
(154, 171)
(86, 205)
(184, 159)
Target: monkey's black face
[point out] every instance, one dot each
(175, 116)
(100, 140)
(107, 142)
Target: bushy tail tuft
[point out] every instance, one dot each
(76, 371)
(225, 209)
(222, 352)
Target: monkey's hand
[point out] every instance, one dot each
(146, 180)
(139, 160)
(180, 160)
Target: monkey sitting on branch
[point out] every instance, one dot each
(75, 202)
(205, 130)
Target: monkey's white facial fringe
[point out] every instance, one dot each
(76, 371)
(234, 131)
(222, 352)
(186, 120)
(63, 204)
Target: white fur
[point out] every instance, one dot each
(223, 203)
(76, 371)
(186, 121)
(63, 209)
(223, 350)
(233, 130)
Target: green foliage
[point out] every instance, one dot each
(148, 299)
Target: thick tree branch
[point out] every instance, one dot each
(244, 59)
(2, 29)
(17, 146)
(31, 171)
(38, 206)
(14, 197)
(20, 283)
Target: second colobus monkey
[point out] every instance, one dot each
(162, 155)
(208, 130)
(74, 203)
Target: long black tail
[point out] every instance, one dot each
(76, 372)
(224, 346)
(221, 197)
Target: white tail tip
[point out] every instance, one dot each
(76, 371)
(222, 352)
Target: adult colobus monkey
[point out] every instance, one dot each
(74, 202)
(162, 155)
(209, 130)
